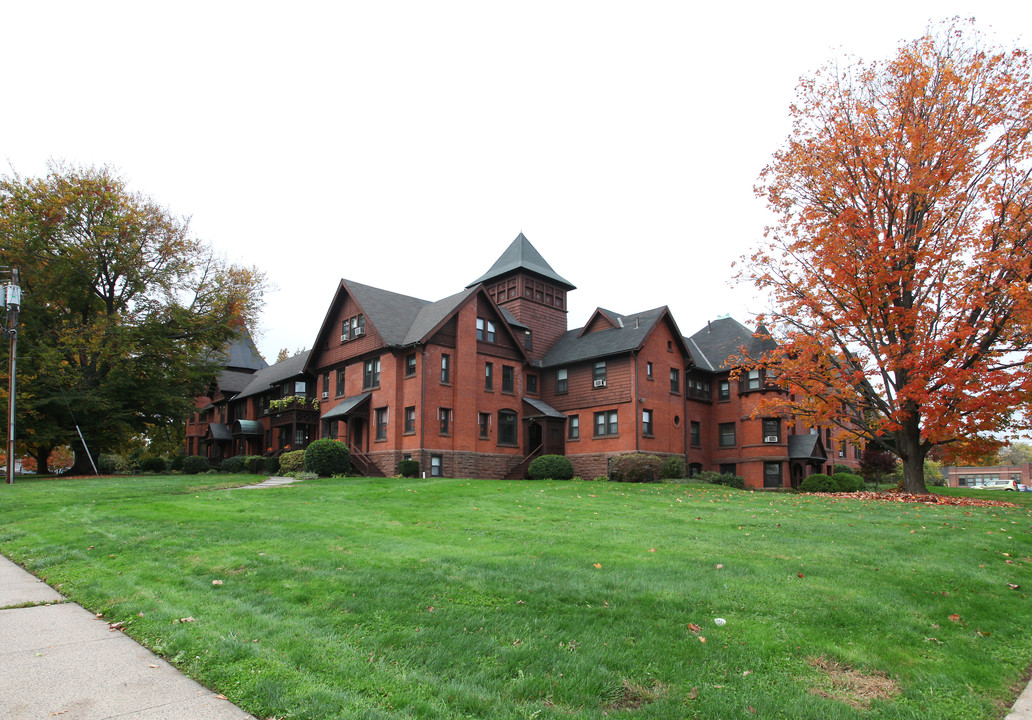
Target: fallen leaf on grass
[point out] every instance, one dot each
(694, 628)
(216, 582)
(955, 618)
(693, 693)
(598, 566)
(1012, 586)
(186, 619)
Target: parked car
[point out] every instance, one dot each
(998, 485)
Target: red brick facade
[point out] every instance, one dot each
(477, 384)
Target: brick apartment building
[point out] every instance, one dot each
(481, 382)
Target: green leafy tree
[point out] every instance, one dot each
(1017, 453)
(123, 311)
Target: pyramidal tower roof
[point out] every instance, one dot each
(521, 255)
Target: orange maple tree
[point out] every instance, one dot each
(900, 263)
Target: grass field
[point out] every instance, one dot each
(389, 598)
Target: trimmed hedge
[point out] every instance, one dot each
(153, 464)
(327, 457)
(673, 469)
(254, 464)
(292, 462)
(408, 468)
(270, 465)
(550, 467)
(848, 482)
(726, 479)
(193, 464)
(839, 482)
(233, 464)
(636, 468)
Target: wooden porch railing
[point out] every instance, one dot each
(519, 471)
(361, 462)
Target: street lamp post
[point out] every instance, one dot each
(12, 300)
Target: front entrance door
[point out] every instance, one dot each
(534, 438)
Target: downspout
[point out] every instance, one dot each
(634, 403)
(422, 403)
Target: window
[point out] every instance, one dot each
(381, 423)
(532, 384)
(489, 376)
(750, 381)
(646, 423)
(435, 466)
(696, 434)
(340, 382)
(648, 371)
(675, 380)
(485, 330)
(445, 421)
(325, 385)
(606, 423)
(727, 434)
(410, 419)
(528, 342)
(371, 374)
(561, 384)
(484, 420)
(300, 387)
(508, 379)
(697, 387)
(573, 427)
(506, 427)
(771, 430)
(410, 365)
(352, 328)
(445, 369)
(331, 429)
(771, 474)
(599, 374)
(728, 469)
(724, 390)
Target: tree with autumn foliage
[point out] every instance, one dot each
(899, 267)
(123, 312)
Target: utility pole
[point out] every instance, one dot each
(12, 301)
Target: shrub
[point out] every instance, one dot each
(106, 464)
(635, 468)
(292, 462)
(848, 482)
(716, 478)
(841, 468)
(254, 464)
(233, 464)
(673, 469)
(818, 482)
(153, 464)
(177, 463)
(327, 457)
(550, 467)
(193, 464)
(270, 465)
(408, 468)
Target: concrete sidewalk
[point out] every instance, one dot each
(58, 660)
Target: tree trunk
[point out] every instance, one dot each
(912, 452)
(82, 465)
(42, 456)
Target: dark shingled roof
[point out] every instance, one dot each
(629, 334)
(392, 314)
(806, 447)
(241, 354)
(541, 409)
(231, 382)
(521, 255)
(264, 379)
(431, 315)
(219, 432)
(723, 338)
(345, 406)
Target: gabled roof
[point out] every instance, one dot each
(391, 313)
(541, 409)
(284, 370)
(521, 255)
(806, 447)
(724, 338)
(629, 334)
(231, 382)
(432, 315)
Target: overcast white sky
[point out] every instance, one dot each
(405, 144)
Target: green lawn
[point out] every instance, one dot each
(388, 598)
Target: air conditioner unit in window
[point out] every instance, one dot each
(358, 331)
(343, 338)
(326, 394)
(600, 383)
(771, 439)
